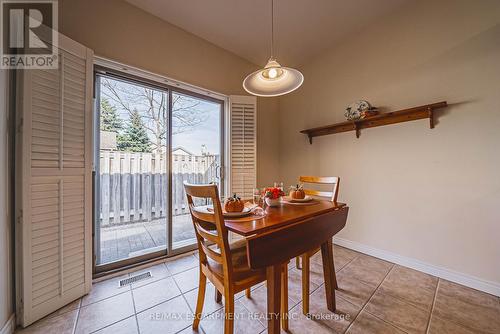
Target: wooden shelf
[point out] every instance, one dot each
(393, 117)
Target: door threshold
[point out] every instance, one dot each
(102, 276)
(146, 251)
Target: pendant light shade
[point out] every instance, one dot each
(273, 79)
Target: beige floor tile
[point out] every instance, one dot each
(75, 305)
(315, 273)
(256, 286)
(399, 313)
(169, 317)
(127, 326)
(158, 272)
(353, 290)
(295, 286)
(316, 257)
(183, 263)
(402, 303)
(105, 312)
(155, 293)
(413, 286)
(368, 269)
(241, 294)
(257, 303)
(337, 321)
(105, 289)
(440, 326)
(470, 308)
(209, 306)
(62, 324)
(291, 264)
(244, 322)
(189, 330)
(341, 257)
(345, 252)
(464, 293)
(188, 280)
(340, 262)
(300, 324)
(366, 323)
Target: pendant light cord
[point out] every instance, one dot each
(272, 29)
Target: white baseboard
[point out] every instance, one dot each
(450, 275)
(9, 326)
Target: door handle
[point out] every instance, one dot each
(219, 172)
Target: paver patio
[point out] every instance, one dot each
(128, 240)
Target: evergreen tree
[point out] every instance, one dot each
(109, 117)
(135, 138)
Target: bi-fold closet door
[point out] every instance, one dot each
(54, 194)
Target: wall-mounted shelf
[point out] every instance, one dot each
(393, 117)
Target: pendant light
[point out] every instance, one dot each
(273, 79)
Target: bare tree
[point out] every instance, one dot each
(153, 107)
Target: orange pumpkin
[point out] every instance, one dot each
(234, 204)
(297, 192)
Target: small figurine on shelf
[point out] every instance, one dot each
(359, 110)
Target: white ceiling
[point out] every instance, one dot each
(303, 28)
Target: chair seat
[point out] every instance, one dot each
(243, 274)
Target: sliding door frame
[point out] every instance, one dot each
(99, 70)
(221, 168)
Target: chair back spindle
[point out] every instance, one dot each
(209, 227)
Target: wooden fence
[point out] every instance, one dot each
(135, 184)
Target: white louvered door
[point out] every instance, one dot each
(55, 215)
(243, 145)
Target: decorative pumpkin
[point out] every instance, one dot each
(234, 204)
(297, 192)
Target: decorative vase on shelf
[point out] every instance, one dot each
(273, 201)
(356, 110)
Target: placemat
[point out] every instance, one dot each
(248, 218)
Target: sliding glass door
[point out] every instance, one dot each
(196, 156)
(149, 140)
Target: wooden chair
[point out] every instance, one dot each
(331, 195)
(224, 264)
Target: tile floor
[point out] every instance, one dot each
(375, 296)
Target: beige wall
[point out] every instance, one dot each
(431, 195)
(427, 194)
(117, 30)
(6, 284)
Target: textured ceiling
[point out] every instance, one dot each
(303, 28)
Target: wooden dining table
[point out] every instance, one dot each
(287, 231)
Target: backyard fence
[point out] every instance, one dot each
(134, 185)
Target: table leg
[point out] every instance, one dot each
(273, 274)
(329, 273)
(284, 297)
